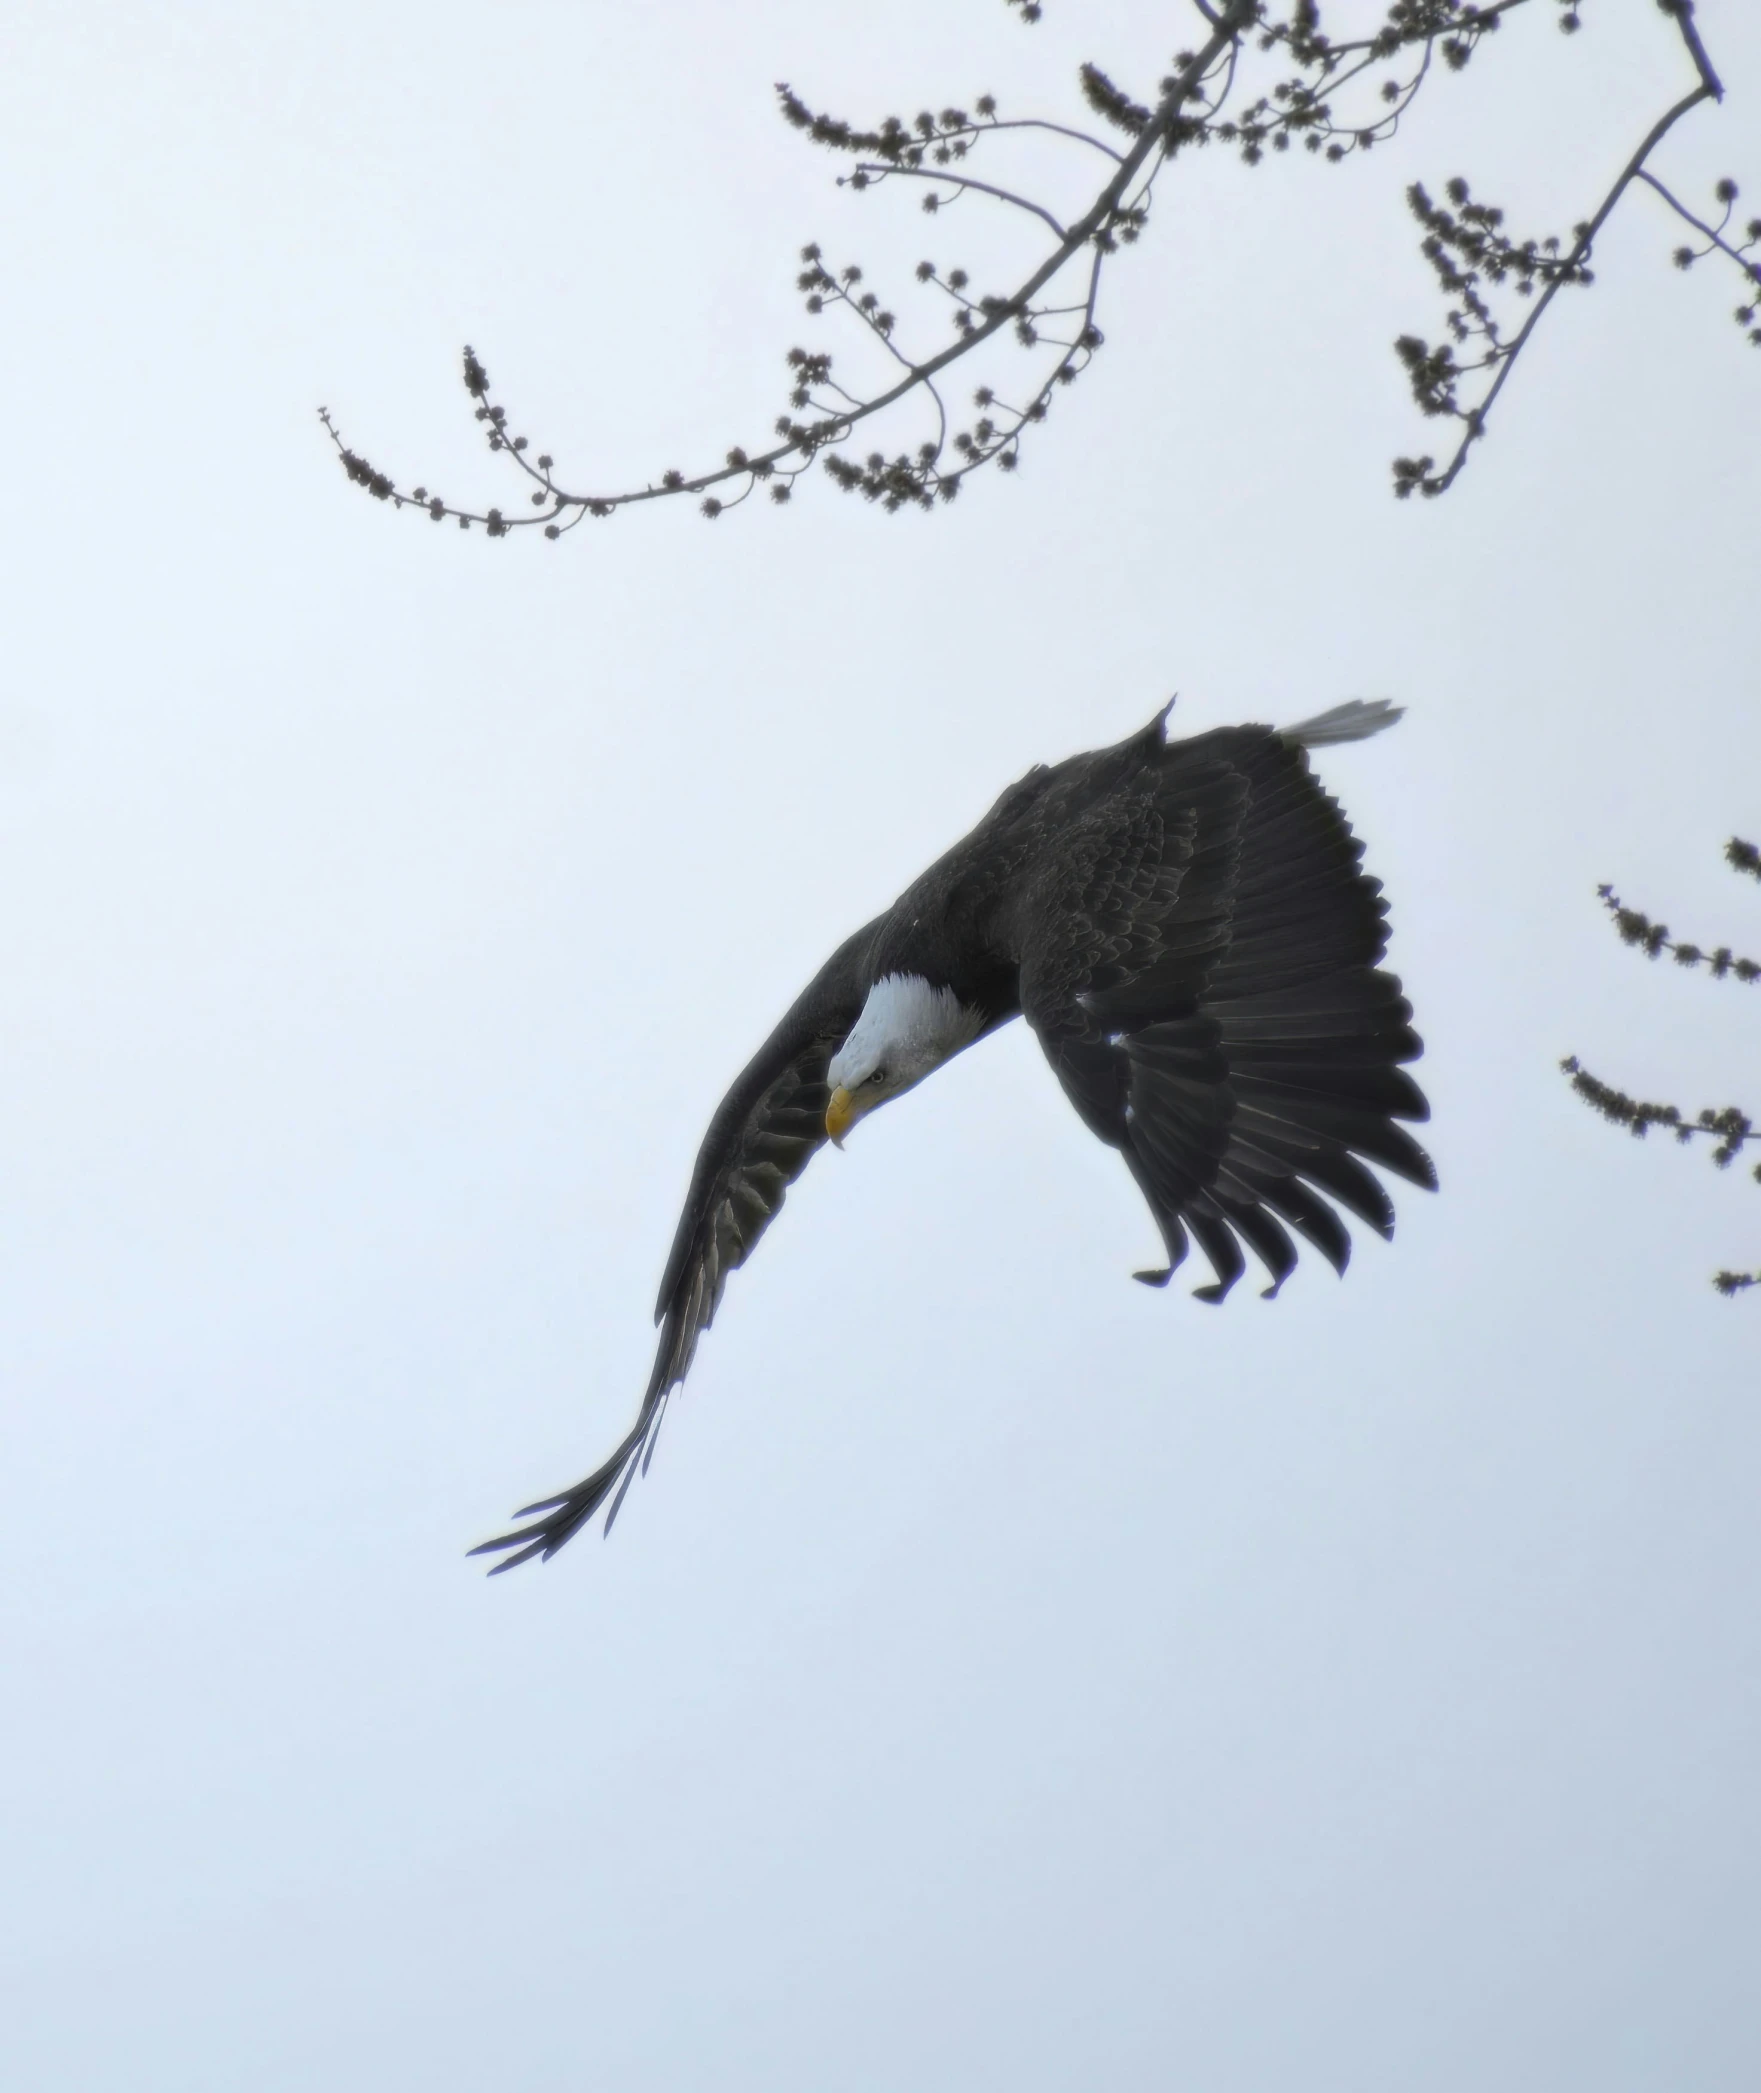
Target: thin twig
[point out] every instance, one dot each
(876, 173)
(1710, 89)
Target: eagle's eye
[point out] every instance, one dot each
(879, 1076)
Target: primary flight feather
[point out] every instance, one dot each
(1185, 926)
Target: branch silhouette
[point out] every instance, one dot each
(1264, 78)
(1729, 1128)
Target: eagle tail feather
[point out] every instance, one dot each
(1356, 720)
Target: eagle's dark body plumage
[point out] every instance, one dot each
(1186, 927)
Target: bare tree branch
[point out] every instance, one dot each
(1434, 373)
(1653, 939)
(1729, 1127)
(1748, 314)
(1213, 96)
(893, 482)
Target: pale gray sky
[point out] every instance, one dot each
(1006, 1676)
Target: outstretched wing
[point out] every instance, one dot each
(1199, 961)
(762, 1137)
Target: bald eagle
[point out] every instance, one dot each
(1185, 926)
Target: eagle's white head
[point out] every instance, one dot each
(907, 1028)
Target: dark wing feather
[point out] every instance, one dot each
(1198, 958)
(762, 1137)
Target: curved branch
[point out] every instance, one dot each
(1042, 123)
(1195, 106)
(799, 445)
(877, 174)
(1416, 472)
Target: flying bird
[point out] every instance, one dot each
(1186, 928)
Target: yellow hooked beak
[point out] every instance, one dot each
(840, 1115)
